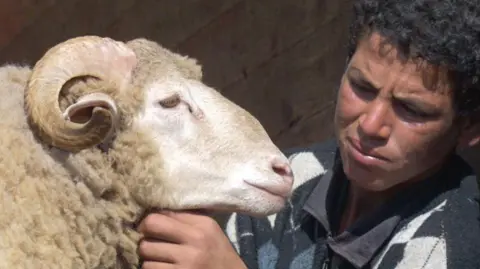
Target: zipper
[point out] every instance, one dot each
(326, 263)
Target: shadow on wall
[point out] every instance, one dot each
(280, 59)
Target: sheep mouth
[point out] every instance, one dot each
(282, 191)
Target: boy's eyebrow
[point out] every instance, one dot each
(417, 102)
(408, 99)
(358, 74)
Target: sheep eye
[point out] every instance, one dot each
(170, 102)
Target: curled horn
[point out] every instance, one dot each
(105, 59)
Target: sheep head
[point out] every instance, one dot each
(206, 151)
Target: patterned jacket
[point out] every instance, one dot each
(434, 224)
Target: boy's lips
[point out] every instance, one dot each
(368, 157)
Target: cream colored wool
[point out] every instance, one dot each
(77, 208)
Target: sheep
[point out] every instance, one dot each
(99, 132)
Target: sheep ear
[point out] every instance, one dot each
(81, 110)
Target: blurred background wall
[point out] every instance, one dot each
(279, 59)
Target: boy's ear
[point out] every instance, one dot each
(469, 136)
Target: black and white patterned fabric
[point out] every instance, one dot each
(439, 230)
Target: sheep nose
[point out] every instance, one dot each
(281, 167)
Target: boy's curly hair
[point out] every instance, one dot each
(441, 32)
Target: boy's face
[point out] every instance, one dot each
(394, 120)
